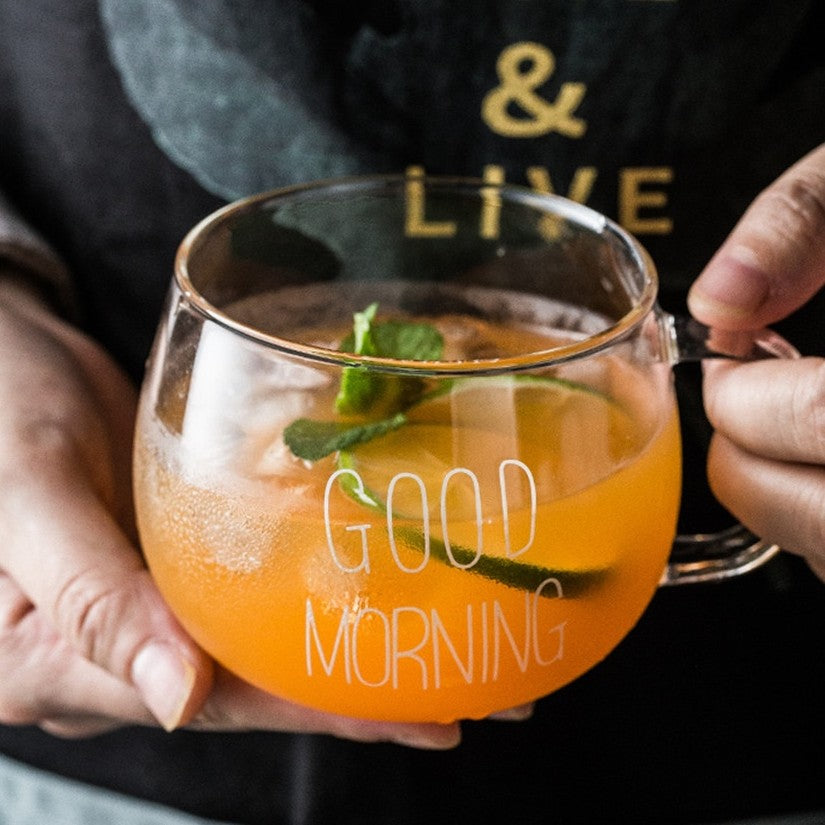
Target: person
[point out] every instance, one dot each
(123, 123)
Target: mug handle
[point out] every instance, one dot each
(703, 557)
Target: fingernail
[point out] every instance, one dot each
(517, 714)
(165, 681)
(733, 287)
(429, 737)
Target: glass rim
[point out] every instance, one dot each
(550, 203)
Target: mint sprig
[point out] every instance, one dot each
(364, 391)
(381, 401)
(380, 398)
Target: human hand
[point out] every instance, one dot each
(86, 642)
(767, 458)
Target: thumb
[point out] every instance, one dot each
(774, 260)
(66, 552)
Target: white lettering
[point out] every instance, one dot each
(419, 648)
(440, 633)
(505, 508)
(356, 663)
(358, 560)
(557, 631)
(425, 522)
(341, 638)
(445, 529)
(364, 564)
(411, 653)
(500, 624)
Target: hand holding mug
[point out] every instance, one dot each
(766, 460)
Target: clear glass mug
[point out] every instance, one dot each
(361, 531)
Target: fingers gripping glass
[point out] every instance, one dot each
(409, 448)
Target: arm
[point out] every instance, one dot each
(767, 459)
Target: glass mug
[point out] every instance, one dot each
(365, 532)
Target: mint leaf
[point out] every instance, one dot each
(314, 440)
(362, 331)
(360, 388)
(404, 340)
(364, 391)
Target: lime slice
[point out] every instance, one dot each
(573, 436)
(478, 424)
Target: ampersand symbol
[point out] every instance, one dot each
(522, 68)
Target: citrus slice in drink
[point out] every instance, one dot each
(574, 435)
(462, 478)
